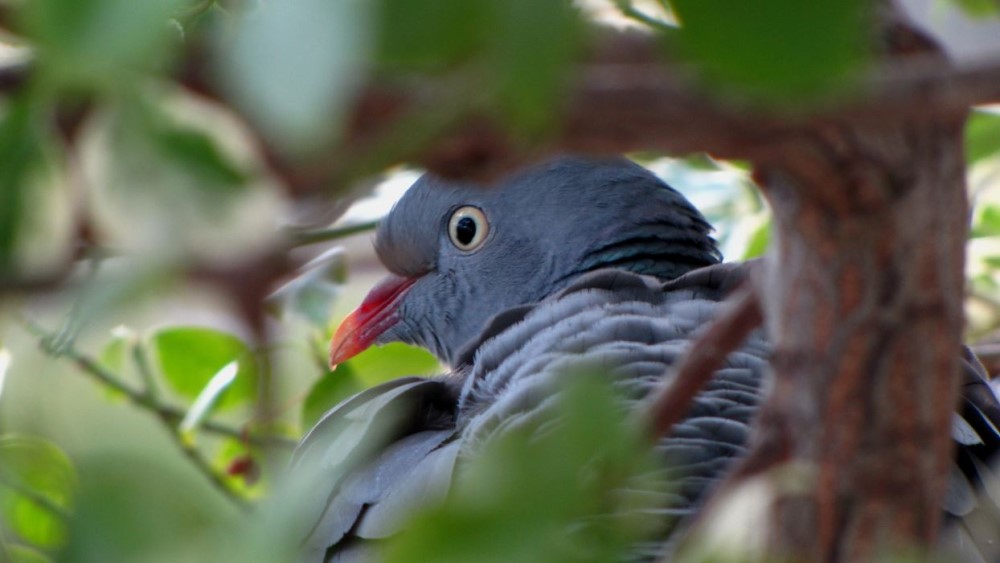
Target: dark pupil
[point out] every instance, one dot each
(465, 230)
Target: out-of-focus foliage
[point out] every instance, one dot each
(781, 48)
(37, 484)
(140, 213)
(582, 491)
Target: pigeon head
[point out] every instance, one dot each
(461, 253)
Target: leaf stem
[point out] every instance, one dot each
(303, 238)
(630, 11)
(168, 415)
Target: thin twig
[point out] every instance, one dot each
(740, 315)
(303, 238)
(198, 460)
(174, 415)
(167, 415)
(141, 361)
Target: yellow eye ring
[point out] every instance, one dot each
(468, 228)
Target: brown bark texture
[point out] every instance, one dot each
(862, 294)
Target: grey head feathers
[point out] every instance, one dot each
(546, 226)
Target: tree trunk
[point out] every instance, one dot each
(862, 294)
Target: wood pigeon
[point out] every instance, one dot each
(575, 263)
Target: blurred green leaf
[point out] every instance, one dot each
(190, 356)
(114, 352)
(978, 8)
(331, 388)
(294, 65)
(533, 496)
(430, 33)
(534, 42)
(982, 135)
(169, 177)
(24, 554)
(196, 152)
(986, 222)
(19, 156)
(37, 482)
(135, 508)
(97, 43)
(759, 240)
(379, 364)
(775, 49)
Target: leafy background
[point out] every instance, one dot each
(149, 399)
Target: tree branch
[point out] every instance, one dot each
(171, 415)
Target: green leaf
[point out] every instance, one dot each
(430, 33)
(114, 352)
(198, 153)
(19, 157)
(986, 222)
(24, 554)
(982, 135)
(978, 8)
(379, 364)
(759, 240)
(295, 65)
(331, 388)
(189, 357)
(37, 482)
(534, 43)
(775, 49)
(97, 43)
(132, 507)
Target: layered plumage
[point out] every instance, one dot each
(577, 265)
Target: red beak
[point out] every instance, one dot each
(376, 314)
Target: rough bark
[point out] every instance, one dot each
(862, 293)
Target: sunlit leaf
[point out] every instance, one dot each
(37, 482)
(987, 221)
(382, 363)
(779, 48)
(209, 397)
(331, 388)
(978, 8)
(758, 242)
(982, 135)
(189, 357)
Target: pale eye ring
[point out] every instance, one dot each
(468, 228)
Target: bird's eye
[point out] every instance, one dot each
(468, 228)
